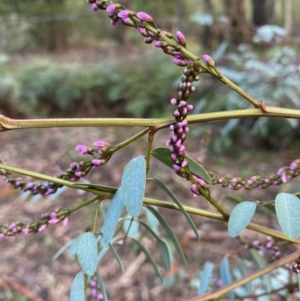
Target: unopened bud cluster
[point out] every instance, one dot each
(46, 219)
(143, 22)
(180, 128)
(268, 245)
(76, 170)
(283, 175)
(95, 292)
(295, 266)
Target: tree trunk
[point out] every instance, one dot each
(262, 12)
(239, 31)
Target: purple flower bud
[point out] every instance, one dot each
(12, 226)
(78, 174)
(95, 7)
(184, 163)
(142, 31)
(42, 228)
(2, 235)
(189, 107)
(65, 221)
(179, 62)
(181, 149)
(101, 143)
(208, 60)
(181, 38)
(173, 101)
(176, 113)
(285, 178)
(92, 283)
(53, 214)
(114, 22)
(53, 221)
(94, 292)
(81, 149)
(124, 14)
(174, 138)
(173, 157)
(176, 167)
(99, 297)
(172, 127)
(25, 231)
(144, 17)
(96, 162)
(293, 165)
(111, 8)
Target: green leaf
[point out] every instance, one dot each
(87, 250)
(133, 185)
(150, 259)
(163, 155)
(152, 220)
(95, 186)
(287, 208)
(116, 256)
(166, 189)
(112, 216)
(149, 228)
(226, 275)
(170, 233)
(77, 288)
(240, 217)
(101, 285)
(165, 254)
(206, 277)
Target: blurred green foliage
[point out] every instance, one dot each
(271, 75)
(108, 88)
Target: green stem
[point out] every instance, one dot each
(205, 193)
(40, 176)
(96, 216)
(131, 139)
(220, 217)
(149, 148)
(240, 282)
(13, 124)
